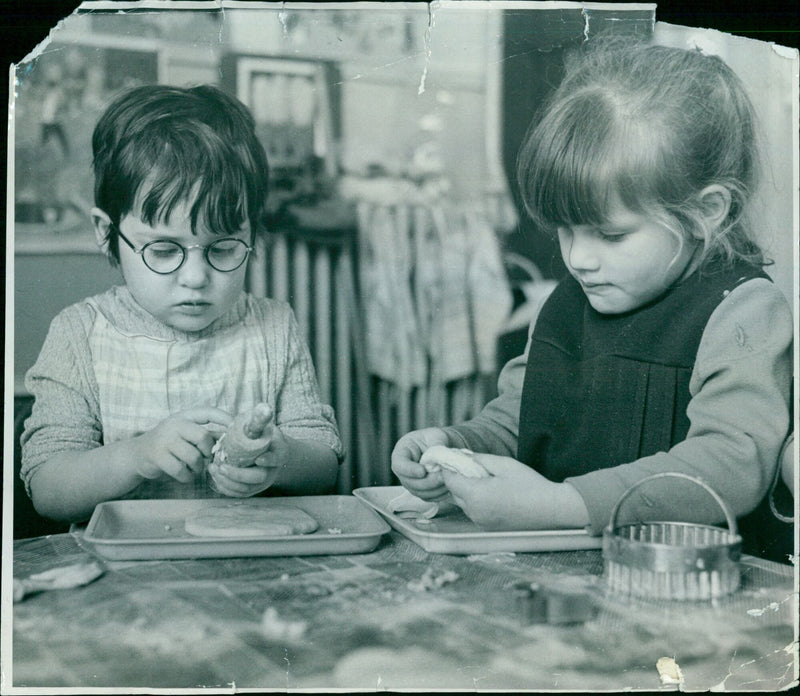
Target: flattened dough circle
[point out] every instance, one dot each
(238, 520)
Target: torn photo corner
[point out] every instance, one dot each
(397, 235)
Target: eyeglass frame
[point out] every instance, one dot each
(184, 250)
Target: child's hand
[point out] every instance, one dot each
(246, 481)
(405, 463)
(516, 497)
(179, 446)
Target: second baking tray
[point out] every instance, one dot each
(455, 533)
(154, 529)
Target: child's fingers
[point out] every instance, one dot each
(496, 464)
(429, 488)
(176, 468)
(405, 457)
(405, 461)
(460, 502)
(231, 488)
(194, 446)
(191, 448)
(207, 415)
(431, 484)
(215, 430)
(196, 464)
(457, 486)
(461, 486)
(267, 461)
(433, 495)
(250, 475)
(198, 436)
(409, 448)
(455, 482)
(406, 468)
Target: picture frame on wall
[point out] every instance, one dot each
(293, 104)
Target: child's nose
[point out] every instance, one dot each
(582, 253)
(195, 270)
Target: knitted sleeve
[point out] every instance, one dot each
(66, 410)
(300, 412)
(739, 418)
(495, 429)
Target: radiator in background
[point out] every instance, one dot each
(316, 275)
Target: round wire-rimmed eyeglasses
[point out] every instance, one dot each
(164, 256)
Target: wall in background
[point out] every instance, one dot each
(44, 285)
(770, 76)
(416, 91)
(411, 97)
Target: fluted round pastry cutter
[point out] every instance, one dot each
(672, 560)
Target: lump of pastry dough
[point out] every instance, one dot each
(247, 437)
(460, 461)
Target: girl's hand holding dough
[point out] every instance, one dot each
(515, 497)
(458, 461)
(408, 469)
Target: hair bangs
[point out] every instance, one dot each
(565, 167)
(650, 127)
(581, 154)
(193, 166)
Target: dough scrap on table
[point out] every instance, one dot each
(407, 502)
(237, 519)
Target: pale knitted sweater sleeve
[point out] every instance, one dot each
(739, 415)
(66, 410)
(495, 429)
(300, 411)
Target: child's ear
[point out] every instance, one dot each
(102, 224)
(715, 201)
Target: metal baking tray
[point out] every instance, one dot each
(154, 529)
(455, 533)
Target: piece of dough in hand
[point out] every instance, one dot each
(460, 461)
(247, 438)
(238, 519)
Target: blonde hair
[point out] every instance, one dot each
(655, 125)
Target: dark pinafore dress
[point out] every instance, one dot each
(606, 389)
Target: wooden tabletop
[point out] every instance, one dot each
(396, 618)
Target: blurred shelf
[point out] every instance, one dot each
(29, 241)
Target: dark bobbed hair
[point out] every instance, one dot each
(655, 126)
(157, 146)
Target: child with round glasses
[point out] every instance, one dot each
(134, 386)
(666, 348)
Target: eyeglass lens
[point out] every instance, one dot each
(223, 255)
